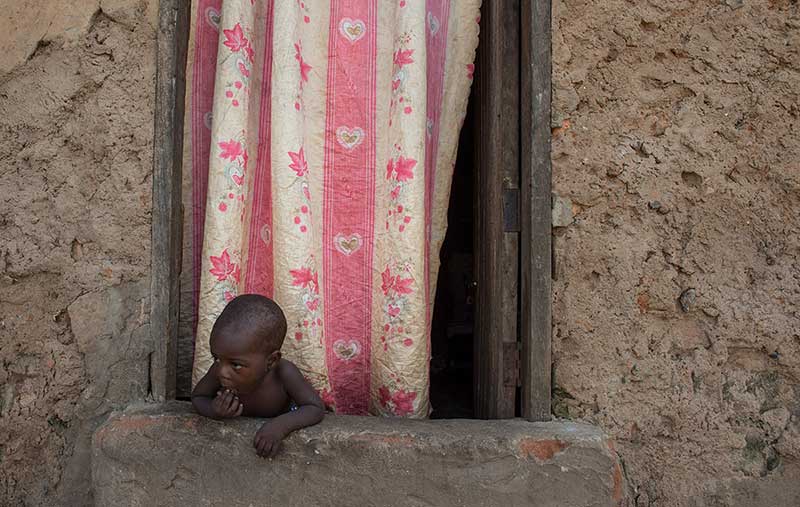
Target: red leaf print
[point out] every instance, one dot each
(403, 57)
(404, 168)
(395, 192)
(470, 70)
(404, 402)
(393, 311)
(384, 394)
(223, 267)
(389, 169)
(231, 149)
(304, 67)
(312, 305)
(299, 164)
(248, 49)
(403, 285)
(229, 296)
(302, 277)
(388, 281)
(235, 38)
(243, 70)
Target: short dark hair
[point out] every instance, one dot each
(254, 313)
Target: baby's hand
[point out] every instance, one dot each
(227, 405)
(268, 440)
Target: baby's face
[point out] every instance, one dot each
(240, 360)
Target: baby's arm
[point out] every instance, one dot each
(310, 411)
(209, 401)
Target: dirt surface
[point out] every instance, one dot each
(76, 116)
(675, 157)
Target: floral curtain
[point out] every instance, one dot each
(322, 140)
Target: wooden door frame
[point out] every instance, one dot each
(532, 207)
(536, 206)
(513, 212)
(497, 228)
(172, 39)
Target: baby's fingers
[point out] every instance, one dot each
(259, 442)
(240, 409)
(264, 447)
(218, 406)
(274, 449)
(221, 401)
(233, 404)
(227, 399)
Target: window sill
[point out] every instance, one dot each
(167, 455)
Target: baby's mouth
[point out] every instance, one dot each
(231, 388)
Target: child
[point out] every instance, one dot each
(249, 377)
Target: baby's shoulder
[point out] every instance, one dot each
(286, 367)
(289, 375)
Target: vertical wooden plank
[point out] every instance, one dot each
(510, 150)
(172, 40)
(495, 252)
(186, 317)
(488, 360)
(536, 210)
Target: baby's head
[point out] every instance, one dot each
(246, 341)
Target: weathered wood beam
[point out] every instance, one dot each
(166, 246)
(536, 213)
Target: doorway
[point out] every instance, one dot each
(453, 324)
(491, 319)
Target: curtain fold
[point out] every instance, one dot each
(322, 146)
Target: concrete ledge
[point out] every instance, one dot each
(167, 455)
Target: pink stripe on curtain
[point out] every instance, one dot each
(348, 201)
(259, 277)
(202, 99)
(436, 42)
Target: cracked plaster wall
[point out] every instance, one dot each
(76, 128)
(676, 145)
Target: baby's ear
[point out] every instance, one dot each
(273, 359)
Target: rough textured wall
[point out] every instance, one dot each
(76, 117)
(675, 156)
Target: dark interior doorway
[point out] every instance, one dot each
(453, 325)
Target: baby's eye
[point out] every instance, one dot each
(237, 366)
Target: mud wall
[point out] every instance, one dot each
(675, 159)
(76, 116)
(676, 145)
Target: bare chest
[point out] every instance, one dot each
(268, 400)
